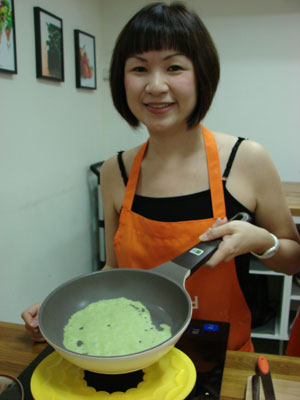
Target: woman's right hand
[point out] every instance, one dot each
(30, 317)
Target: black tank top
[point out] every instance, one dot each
(191, 207)
(188, 207)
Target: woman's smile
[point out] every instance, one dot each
(159, 108)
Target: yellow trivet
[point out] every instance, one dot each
(171, 378)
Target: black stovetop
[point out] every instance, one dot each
(205, 342)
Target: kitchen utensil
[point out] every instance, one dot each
(255, 387)
(265, 374)
(284, 389)
(160, 289)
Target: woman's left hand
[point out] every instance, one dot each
(238, 237)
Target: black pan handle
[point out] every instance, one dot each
(199, 254)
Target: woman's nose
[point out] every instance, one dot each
(156, 84)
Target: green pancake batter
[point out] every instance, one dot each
(113, 327)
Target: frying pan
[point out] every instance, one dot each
(161, 290)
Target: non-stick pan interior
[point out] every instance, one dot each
(167, 301)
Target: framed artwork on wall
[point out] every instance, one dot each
(85, 60)
(8, 53)
(48, 45)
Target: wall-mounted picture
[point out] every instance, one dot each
(48, 45)
(8, 53)
(85, 60)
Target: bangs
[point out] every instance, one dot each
(159, 28)
(152, 36)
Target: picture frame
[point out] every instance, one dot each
(85, 60)
(48, 45)
(8, 52)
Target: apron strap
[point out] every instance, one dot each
(214, 172)
(133, 177)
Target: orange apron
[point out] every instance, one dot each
(143, 243)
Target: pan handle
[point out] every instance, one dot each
(199, 254)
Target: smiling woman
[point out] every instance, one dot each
(186, 181)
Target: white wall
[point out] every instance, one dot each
(259, 93)
(51, 132)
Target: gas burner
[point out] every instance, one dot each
(172, 377)
(111, 384)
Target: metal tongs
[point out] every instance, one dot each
(263, 373)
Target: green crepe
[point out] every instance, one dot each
(113, 327)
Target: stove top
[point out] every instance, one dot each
(204, 342)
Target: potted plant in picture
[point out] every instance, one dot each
(5, 20)
(54, 50)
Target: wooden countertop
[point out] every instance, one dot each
(292, 193)
(17, 351)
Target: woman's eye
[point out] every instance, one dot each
(174, 68)
(139, 69)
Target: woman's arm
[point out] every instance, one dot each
(272, 214)
(261, 182)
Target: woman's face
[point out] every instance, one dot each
(160, 89)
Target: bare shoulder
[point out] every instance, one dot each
(110, 168)
(250, 157)
(227, 141)
(254, 152)
(253, 175)
(224, 139)
(256, 163)
(128, 156)
(112, 184)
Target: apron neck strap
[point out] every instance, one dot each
(214, 172)
(133, 177)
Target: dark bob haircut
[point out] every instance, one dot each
(159, 26)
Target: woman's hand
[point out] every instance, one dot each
(238, 237)
(30, 317)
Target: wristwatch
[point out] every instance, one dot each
(271, 251)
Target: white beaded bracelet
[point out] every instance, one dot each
(271, 251)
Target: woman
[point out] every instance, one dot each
(187, 181)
